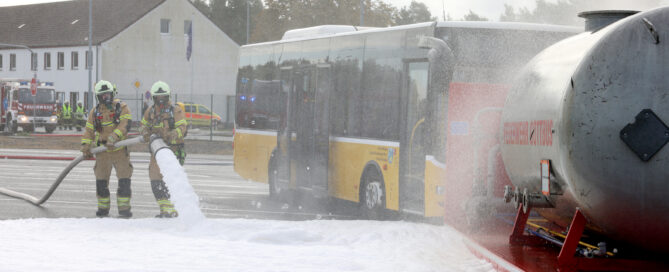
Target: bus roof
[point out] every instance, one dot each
(357, 30)
(316, 32)
(510, 26)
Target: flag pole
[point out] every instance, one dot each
(192, 68)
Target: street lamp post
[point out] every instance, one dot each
(34, 75)
(248, 3)
(362, 12)
(90, 51)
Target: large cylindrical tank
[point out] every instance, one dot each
(571, 104)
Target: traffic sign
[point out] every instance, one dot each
(33, 87)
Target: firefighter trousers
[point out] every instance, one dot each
(119, 160)
(160, 190)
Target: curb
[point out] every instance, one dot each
(19, 157)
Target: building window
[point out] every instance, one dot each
(12, 62)
(187, 24)
(164, 26)
(47, 61)
(0, 62)
(75, 60)
(33, 61)
(89, 59)
(61, 60)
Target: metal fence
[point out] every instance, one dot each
(209, 116)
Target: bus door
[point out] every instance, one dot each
(285, 129)
(321, 151)
(309, 155)
(412, 187)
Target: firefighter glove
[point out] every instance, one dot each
(145, 132)
(172, 137)
(86, 151)
(111, 140)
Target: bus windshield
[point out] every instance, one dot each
(44, 96)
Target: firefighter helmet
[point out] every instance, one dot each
(160, 88)
(105, 87)
(160, 92)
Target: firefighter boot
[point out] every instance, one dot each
(162, 195)
(102, 191)
(123, 198)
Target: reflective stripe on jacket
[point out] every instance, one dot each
(107, 126)
(67, 112)
(159, 123)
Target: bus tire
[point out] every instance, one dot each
(50, 129)
(275, 191)
(11, 126)
(372, 194)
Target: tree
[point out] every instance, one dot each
(380, 14)
(202, 6)
(278, 16)
(471, 16)
(271, 20)
(564, 12)
(230, 15)
(415, 13)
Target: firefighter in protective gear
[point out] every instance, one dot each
(66, 114)
(79, 115)
(168, 122)
(108, 122)
(59, 113)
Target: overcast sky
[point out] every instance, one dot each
(458, 8)
(492, 9)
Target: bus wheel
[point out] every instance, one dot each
(50, 129)
(11, 126)
(275, 190)
(372, 195)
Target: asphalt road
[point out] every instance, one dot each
(223, 194)
(196, 133)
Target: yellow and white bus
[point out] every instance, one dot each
(361, 115)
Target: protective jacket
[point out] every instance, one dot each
(164, 122)
(103, 122)
(67, 112)
(80, 109)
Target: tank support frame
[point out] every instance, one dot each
(567, 259)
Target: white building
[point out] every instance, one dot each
(135, 43)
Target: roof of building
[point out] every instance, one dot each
(65, 23)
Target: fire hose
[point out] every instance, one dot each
(69, 167)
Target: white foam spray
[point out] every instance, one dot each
(186, 202)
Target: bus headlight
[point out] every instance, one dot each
(53, 119)
(23, 119)
(440, 190)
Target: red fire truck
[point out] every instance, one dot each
(20, 108)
